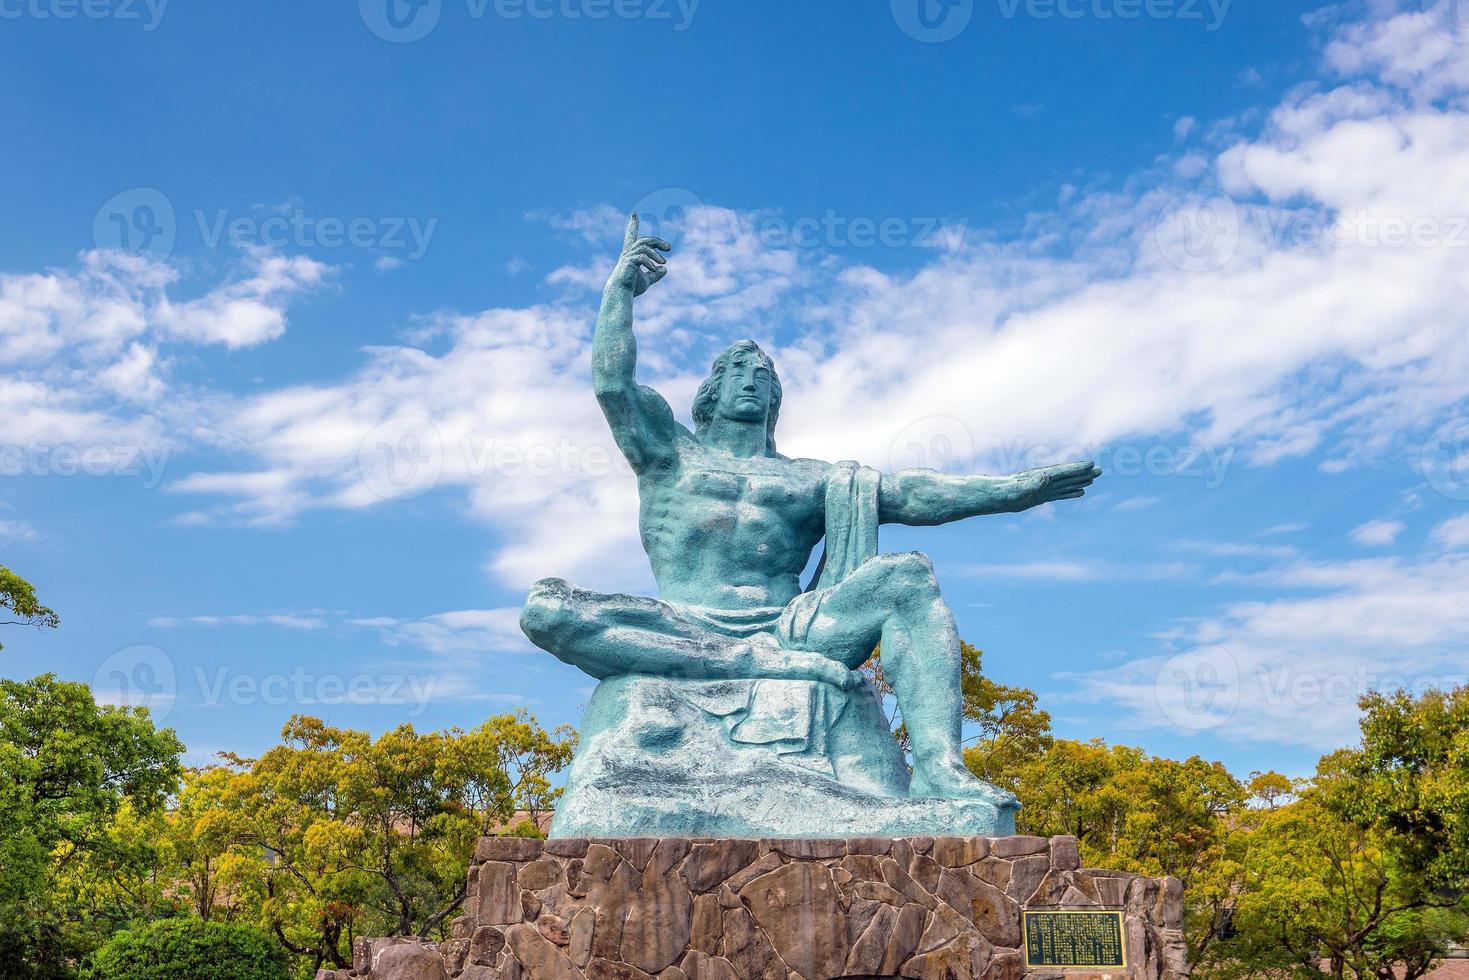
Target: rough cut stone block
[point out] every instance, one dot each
(507, 849)
(798, 907)
(710, 864)
(1064, 854)
(409, 961)
(956, 852)
(1014, 847)
(946, 908)
(809, 847)
(499, 898)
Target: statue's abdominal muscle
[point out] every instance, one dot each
(751, 533)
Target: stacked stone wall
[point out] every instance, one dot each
(930, 908)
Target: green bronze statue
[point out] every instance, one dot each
(731, 705)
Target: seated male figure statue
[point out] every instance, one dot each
(729, 524)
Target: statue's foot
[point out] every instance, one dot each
(950, 778)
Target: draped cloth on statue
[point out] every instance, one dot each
(792, 717)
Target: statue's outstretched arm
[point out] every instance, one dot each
(641, 421)
(927, 497)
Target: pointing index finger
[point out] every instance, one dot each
(632, 230)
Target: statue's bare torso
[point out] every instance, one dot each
(731, 532)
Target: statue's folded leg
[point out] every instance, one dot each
(895, 599)
(608, 635)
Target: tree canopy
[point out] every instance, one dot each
(19, 605)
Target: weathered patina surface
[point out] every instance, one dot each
(730, 705)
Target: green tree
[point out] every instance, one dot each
(188, 949)
(1409, 781)
(1364, 866)
(334, 833)
(68, 768)
(19, 606)
(1320, 888)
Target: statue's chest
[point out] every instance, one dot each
(753, 493)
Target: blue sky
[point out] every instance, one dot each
(295, 307)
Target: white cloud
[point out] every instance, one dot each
(461, 631)
(292, 621)
(1453, 534)
(1291, 527)
(1079, 571)
(14, 531)
(84, 350)
(1377, 533)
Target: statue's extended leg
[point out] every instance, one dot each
(896, 598)
(607, 635)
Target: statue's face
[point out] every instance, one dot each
(744, 391)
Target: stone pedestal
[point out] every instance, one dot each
(944, 908)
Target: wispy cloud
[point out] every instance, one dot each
(1291, 670)
(283, 620)
(1378, 534)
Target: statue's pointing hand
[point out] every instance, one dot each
(1064, 482)
(640, 264)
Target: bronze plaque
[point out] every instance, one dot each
(1074, 938)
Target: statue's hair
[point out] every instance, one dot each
(708, 394)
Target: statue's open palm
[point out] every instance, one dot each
(1064, 482)
(640, 264)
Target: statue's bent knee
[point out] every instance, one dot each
(547, 614)
(910, 571)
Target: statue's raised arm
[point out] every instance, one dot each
(641, 421)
